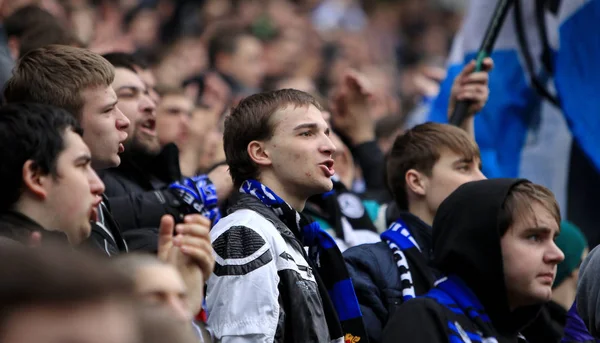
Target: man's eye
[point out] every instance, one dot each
(306, 134)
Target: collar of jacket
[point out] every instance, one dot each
(247, 201)
(18, 226)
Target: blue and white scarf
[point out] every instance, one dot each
(324, 254)
(399, 239)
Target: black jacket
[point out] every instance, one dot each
(466, 247)
(137, 193)
(106, 235)
(376, 277)
(549, 326)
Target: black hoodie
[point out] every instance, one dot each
(466, 247)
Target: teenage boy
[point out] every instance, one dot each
(493, 240)
(265, 286)
(48, 185)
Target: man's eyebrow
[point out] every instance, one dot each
(464, 160)
(541, 230)
(132, 87)
(84, 158)
(111, 105)
(306, 126)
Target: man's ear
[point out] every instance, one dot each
(258, 153)
(34, 180)
(415, 182)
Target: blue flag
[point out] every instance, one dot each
(577, 72)
(521, 133)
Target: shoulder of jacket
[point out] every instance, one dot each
(244, 217)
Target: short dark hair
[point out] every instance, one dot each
(225, 40)
(57, 75)
(30, 132)
(420, 148)
(53, 276)
(519, 200)
(121, 60)
(251, 120)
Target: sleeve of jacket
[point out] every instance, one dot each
(242, 294)
(363, 268)
(416, 321)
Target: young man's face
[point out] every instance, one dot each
(450, 172)
(163, 286)
(530, 256)
(246, 63)
(104, 125)
(74, 194)
(136, 105)
(173, 118)
(300, 151)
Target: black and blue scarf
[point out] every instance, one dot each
(323, 253)
(453, 293)
(399, 239)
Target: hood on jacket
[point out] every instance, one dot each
(466, 243)
(588, 292)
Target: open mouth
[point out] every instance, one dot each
(149, 127)
(94, 214)
(327, 167)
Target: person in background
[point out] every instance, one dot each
(59, 295)
(160, 286)
(31, 27)
(238, 58)
(583, 319)
(149, 177)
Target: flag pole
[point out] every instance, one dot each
(460, 112)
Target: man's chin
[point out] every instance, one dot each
(146, 145)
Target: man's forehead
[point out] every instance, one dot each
(458, 155)
(535, 215)
(99, 96)
(123, 75)
(292, 115)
